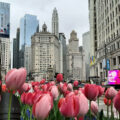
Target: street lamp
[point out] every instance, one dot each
(106, 61)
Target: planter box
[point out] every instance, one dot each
(4, 105)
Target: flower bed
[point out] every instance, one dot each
(57, 100)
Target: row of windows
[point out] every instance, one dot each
(114, 62)
(112, 48)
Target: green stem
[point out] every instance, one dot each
(107, 111)
(30, 113)
(98, 101)
(119, 115)
(112, 114)
(90, 108)
(10, 99)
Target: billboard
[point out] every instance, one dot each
(4, 19)
(114, 77)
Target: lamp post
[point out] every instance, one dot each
(105, 60)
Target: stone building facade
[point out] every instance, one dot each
(75, 59)
(107, 33)
(86, 48)
(5, 56)
(45, 48)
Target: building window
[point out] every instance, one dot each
(114, 61)
(100, 65)
(119, 59)
(118, 45)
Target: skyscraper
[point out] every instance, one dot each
(28, 26)
(5, 37)
(4, 20)
(105, 35)
(16, 50)
(63, 51)
(55, 23)
(86, 48)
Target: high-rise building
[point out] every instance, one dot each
(106, 27)
(55, 23)
(93, 34)
(5, 37)
(75, 59)
(63, 53)
(5, 55)
(86, 48)
(28, 26)
(45, 50)
(16, 50)
(4, 20)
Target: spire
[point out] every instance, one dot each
(55, 23)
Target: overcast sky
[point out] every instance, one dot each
(73, 14)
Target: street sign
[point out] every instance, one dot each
(108, 64)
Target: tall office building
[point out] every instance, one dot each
(28, 26)
(55, 23)
(75, 59)
(5, 37)
(45, 50)
(107, 32)
(93, 34)
(86, 48)
(4, 20)
(16, 49)
(63, 53)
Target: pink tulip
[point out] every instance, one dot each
(83, 105)
(23, 98)
(66, 92)
(64, 88)
(76, 92)
(42, 108)
(35, 84)
(69, 106)
(42, 81)
(36, 88)
(25, 88)
(76, 83)
(91, 91)
(110, 93)
(36, 96)
(82, 90)
(15, 78)
(101, 91)
(70, 87)
(55, 92)
(44, 87)
(29, 99)
(116, 102)
(94, 107)
(52, 83)
(59, 77)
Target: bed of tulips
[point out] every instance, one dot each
(57, 100)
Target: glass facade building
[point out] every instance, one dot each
(28, 26)
(4, 20)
